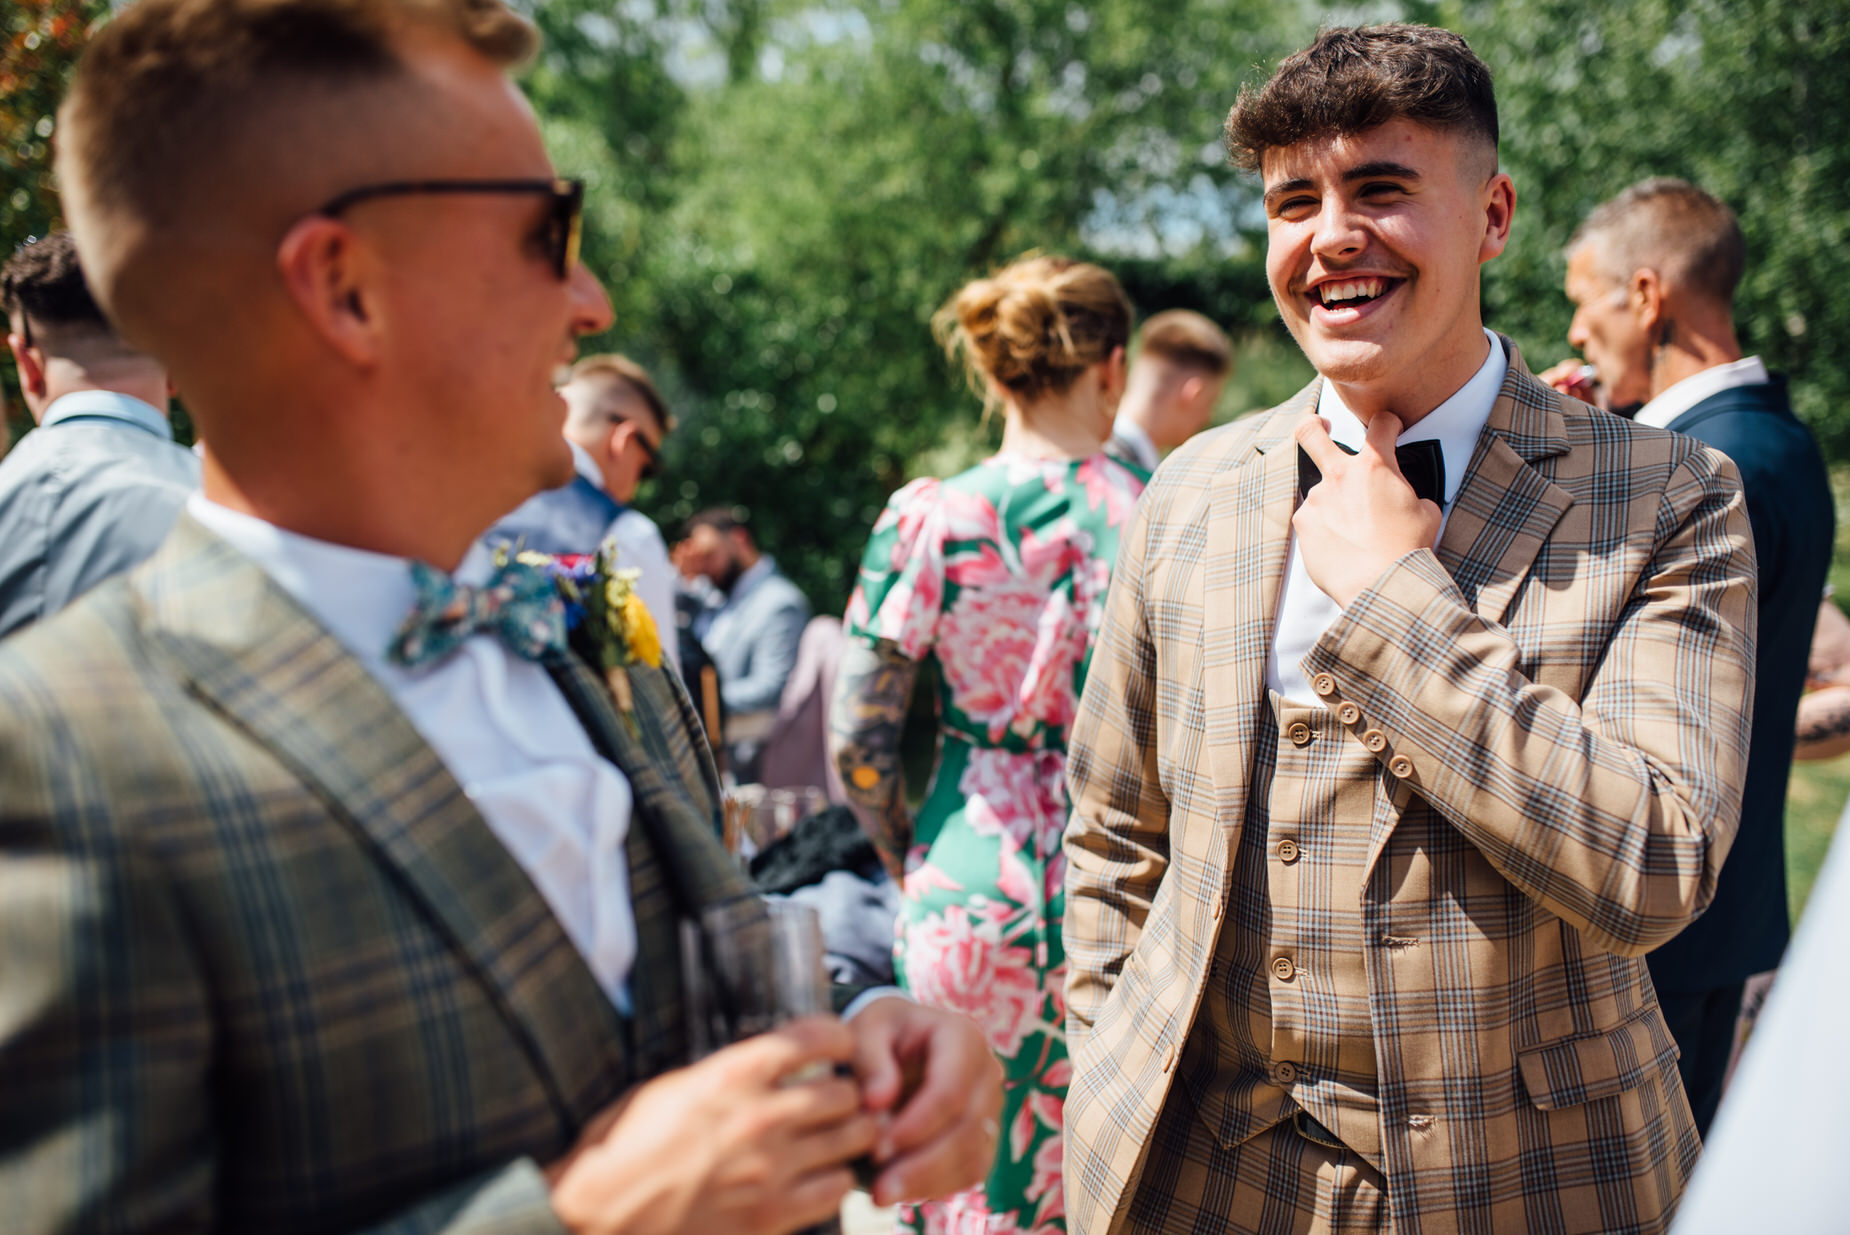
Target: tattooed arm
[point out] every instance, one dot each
(1823, 723)
(873, 686)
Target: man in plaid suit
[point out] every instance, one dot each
(305, 927)
(1419, 715)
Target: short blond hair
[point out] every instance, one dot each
(1188, 339)
(169, 90)
(618, 367)
(1034, 326)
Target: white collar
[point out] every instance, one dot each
(1672, 403)
(360, 596)
(585, 465)
(1131, 434)
(1455, 424)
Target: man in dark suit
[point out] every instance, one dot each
(1652, 275)
(318, 911)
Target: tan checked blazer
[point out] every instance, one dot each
(1564, 687)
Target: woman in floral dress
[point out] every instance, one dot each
(998, 574)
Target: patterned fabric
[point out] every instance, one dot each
(999, 575)
(265, 968)
(1561, 691)
(518, 605)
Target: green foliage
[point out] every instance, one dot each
(39, 42)
(1748, 98)
(881, 155)
(782, 193)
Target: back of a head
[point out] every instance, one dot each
(1689, 237)
(42, 286)
(196, 131)
(615, 367)
(1034, 326)
(1187, 340)
(1352, 79)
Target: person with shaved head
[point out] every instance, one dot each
(343, 884)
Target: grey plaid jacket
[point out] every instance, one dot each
(1564, 686)
(262, 965)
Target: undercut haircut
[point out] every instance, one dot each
(1356, 78)
(1688, 236)
(43, 285)
(1187, 339)
(614, 366)
(169, 93)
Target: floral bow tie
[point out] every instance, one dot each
(519, 605)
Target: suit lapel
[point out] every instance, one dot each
(1506, 507)
(251, 651)
(677, 864)
(1249, 535)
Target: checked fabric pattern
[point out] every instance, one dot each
(263, 966)
(1562, 688)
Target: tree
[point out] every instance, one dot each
(39, 44)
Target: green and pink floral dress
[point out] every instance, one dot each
(1000, 573)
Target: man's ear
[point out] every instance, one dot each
(617, 438)
(1499, 214)
(1191, 389)
(1644, 296)
(31, 364)
(326, 270)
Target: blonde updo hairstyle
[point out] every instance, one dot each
(1031, 328)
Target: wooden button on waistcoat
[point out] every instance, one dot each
(1323, 684)
(1283, 969)
(1375, 740)
(1348, 713)
(1298, 732)
(1401, 766)
(1287, 851)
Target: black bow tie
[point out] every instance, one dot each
(1422, 463)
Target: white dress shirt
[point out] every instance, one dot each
(1304, 610)
(498, 722)
(1659, 412)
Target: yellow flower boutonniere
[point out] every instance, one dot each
(616, 624)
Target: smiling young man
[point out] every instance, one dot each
(335, 892)
(1417, 718)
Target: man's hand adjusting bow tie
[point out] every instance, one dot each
(1363, 515)
(519, 605)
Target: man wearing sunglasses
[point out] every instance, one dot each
(337, 891)
(615, 421)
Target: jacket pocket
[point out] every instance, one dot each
(1577, 1070)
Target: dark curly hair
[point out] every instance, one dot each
(1354, 78)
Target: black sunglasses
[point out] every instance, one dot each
(652, 468)
(565, 225)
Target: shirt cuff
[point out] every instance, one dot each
(867, 996)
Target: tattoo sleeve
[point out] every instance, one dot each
(1823, 728)
(873, 686)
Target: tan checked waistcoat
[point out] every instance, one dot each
(1284, 1022)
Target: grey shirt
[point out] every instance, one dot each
(87, 494)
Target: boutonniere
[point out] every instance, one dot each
(602, 607)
